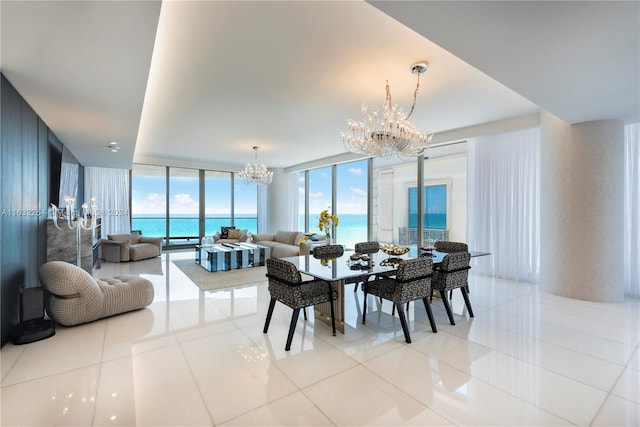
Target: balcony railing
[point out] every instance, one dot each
(409, 236)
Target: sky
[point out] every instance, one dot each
(351, 189)
(149, 193)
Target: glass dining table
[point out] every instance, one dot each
(344, 269)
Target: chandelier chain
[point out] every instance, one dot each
(415, 96)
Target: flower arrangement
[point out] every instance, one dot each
(325, 262)
(325, 222)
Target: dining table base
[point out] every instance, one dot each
(322, 311)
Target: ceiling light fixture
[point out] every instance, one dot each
(391, 134)
(113, 146)
(256, 174)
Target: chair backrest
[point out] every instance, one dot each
(281, 270)
(414, 268)
(453, 271)
(445, 246)
(328, 251)
(367, 247)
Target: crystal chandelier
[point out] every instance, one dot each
(256, 174)
(390, 132)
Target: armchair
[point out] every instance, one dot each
(130, 247)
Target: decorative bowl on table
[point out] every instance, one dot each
(391, 249)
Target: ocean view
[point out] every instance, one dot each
(351, 229)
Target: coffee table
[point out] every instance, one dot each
(230, 256)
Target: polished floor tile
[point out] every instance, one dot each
(195, 358)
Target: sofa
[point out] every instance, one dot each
(230, 235)
(76, 297)
(282, 244)
(130, 247)
(289, 243)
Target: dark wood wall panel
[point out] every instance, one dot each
(25, 182)
(43, 188)
(30, 203)
(13, 268)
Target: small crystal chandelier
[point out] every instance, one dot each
(391, 134)
(256, 174)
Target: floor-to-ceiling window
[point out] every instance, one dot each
(351, 202)
(149, 200)
(184, 205)
(217, 201)
(320, 195)
(167, 202)
(245, 201)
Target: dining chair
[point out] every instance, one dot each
(364, 248)
(287, 287)
(452, 273)
(412, 281)
(328, 251)
(446, 246)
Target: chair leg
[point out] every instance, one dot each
(466, 301)
(364, 307)
(432, 321)
(403, 322)
(355, 288)
(445, 301)
(272, 304)
(333, 317)
(292, 328)
(431, 296)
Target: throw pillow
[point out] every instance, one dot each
(233, 233)
(224, 232)
(304, 237)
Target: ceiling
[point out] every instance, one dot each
(200, 83)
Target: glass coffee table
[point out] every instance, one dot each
(230, 256)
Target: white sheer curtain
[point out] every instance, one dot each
(293, 188)
(69, 182)
(263, 213)
(632, 210)
(110, 187)
(503, 190)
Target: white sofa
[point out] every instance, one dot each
(282, 244)
(288, 243)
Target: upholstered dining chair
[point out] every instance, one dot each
(446, 246)
(286, 286)
(412, 281)
(452, 273)
(328, 251)
(364, 248)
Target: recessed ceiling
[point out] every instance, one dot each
(200, 83)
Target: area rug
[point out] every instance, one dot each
(208, 281)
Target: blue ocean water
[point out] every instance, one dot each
(181, 226)
(352, 228)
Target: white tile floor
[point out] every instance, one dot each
(201, 359)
